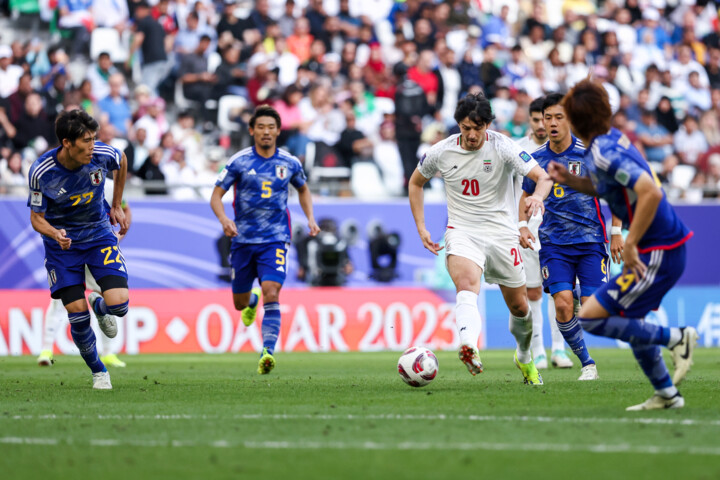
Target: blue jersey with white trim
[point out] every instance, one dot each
(570, 217)
(261, 193)
(614, 166)
(74, 200)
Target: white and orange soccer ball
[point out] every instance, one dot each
(418, 366)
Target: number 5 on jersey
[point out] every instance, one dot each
(266, 190)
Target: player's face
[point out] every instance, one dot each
(556, 123)
(81, 150)
(538, 126)
(265, 132)
(473, 134)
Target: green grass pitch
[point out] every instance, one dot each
(349, 415)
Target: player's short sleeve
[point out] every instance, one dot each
(109, 156)
(298, 178)
(229, 175)
(36, 200)
(429, 162)
(513, 155)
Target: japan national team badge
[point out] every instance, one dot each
(96, 177)
(52, 278)
(487, 166)
(281, 172)
(545, 272)
(575, 168)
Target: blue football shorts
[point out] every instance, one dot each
(264, 261)
(561, 265)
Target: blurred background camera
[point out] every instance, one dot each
(383, 248)
(323, 260)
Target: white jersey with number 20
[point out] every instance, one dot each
(480, 185)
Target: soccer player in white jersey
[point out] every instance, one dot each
(478, 167)
(537, 138)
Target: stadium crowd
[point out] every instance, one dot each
(363, 86)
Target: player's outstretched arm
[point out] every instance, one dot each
(558, 173)
(229, 227)
(526, 236)
(417, 206)
(535, 203)
(305, 198)
(649, 196)
(117, 214)
(43, 227)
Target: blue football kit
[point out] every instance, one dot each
(74, 200)
(261, 215)
(572, 233)
(614, 166)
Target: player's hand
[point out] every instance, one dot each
(314, 229)
(229, 227)
(534, 205)
(558, 172)
(526, 238)
(62, 239)
(632, 261)
(617, 245)
(117, 217)
(428, 242)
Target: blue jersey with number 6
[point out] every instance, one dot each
(74, 200)
(261, 193)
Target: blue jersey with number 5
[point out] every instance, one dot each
(261, 193)
(74, 200)
(615, 165)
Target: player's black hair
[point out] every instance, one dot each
(475, 107)
(537, 105)
(265, 111)
(73, 124)
(552, 99)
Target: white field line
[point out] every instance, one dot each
(282, 445)
(323, 417)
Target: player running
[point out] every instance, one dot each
(654, 252)
(537, 138)
(572, 234)
(261, 176)
(478, 167)
(68, 208)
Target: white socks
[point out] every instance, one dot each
(522, 329)
(558, 341)
(537, 346)
(467, 318)
(53, 317)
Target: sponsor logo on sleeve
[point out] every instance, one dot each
(36, 199)
(222, 175)
(525, 156)
(622, 177)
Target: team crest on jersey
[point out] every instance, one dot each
(96, 177)
(575, 168)
(52, 278)
(525, 156)
(545, 272)
(487, 166)
(281, 172)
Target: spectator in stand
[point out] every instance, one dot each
(16, 101)
(198, 83)
(353, 146)
(294, 129)
(150, 170)
(665, 115)
(422, 74)
(149, 38)
(190, 140)
(325, 121)
(34, 124)
(287, 20)
(656, 139)
(99, 76)
(153, 123)
(496, 26)
(116, 107)
(490, 74)
(299, 42)
(387, 158)
(411, 106)
(9, 74)
(449, 86)
(76, 16)
(231, 74)
(259, 17)
(697, 97)
(179, 176)
(14, 173)
(110, 14)
(689, 141)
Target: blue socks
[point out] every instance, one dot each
(635, 331)
(119, 310)
(271, 325)
(84, 339)
(649, 357)
(572, 332)
(254, 299)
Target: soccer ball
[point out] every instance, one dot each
(417, 366)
